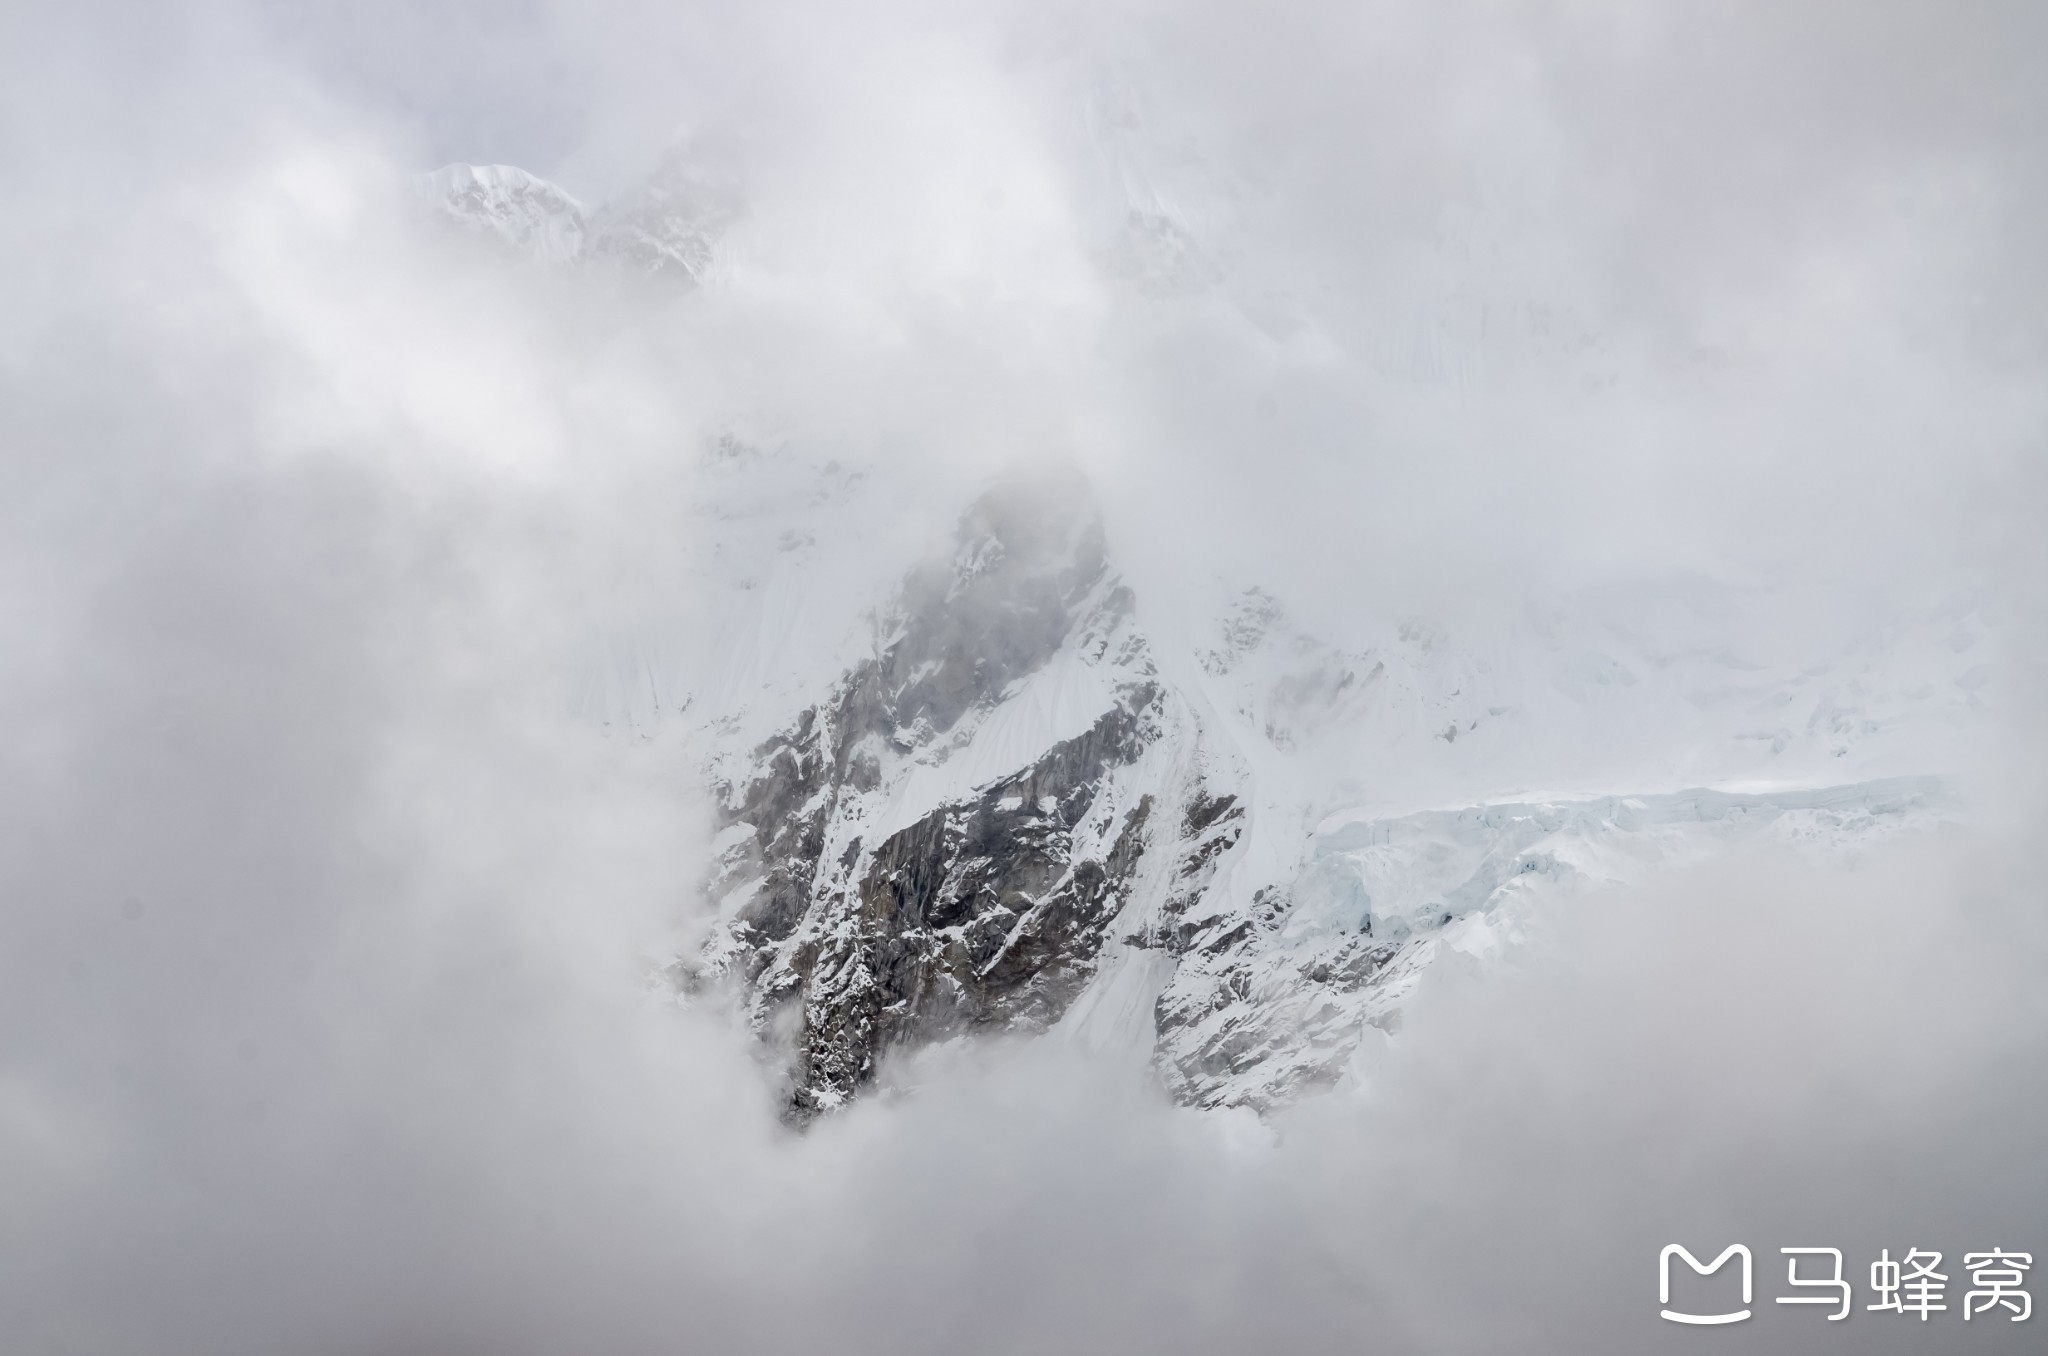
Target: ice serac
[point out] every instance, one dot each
(1338, 948)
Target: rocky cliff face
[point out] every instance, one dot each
(1012, 816)
(944, 843)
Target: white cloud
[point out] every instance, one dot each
(304, 514)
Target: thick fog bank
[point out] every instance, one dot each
(331, 1014)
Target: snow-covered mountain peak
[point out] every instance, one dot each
(508, 204)
(667, 228)
(671, 225)
(1021, 809)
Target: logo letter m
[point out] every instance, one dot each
(1664, 1281)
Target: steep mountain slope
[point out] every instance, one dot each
(944, 842)
(1015, 813)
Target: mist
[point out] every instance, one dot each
(334, 934)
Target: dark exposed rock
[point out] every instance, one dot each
(1226, 1013)
(865, 916)
(979, 915)
(989, 911)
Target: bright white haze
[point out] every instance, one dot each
(329, 926)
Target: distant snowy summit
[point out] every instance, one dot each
(670, 227)
(506, 203)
